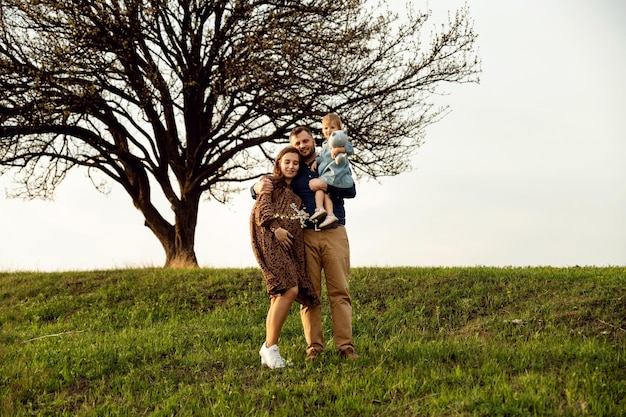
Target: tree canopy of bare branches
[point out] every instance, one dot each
(185, 98)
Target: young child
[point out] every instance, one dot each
(333, 167)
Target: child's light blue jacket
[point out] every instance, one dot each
(339, 176)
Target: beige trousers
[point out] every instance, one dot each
(328, 250)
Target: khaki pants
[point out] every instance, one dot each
(328, 250)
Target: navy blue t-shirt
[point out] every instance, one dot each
(300, 185)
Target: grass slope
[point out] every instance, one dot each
(434, 342)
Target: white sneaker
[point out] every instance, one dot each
(270, 357)
(318, 213)
(328, 221)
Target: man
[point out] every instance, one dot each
(327, 250)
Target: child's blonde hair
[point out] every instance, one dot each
(332, 117)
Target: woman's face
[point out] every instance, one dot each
(289, 164)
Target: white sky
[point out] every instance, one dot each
(529, 168)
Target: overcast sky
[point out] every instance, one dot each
(528, 169)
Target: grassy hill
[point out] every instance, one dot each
(434, 342)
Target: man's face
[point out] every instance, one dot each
(305, 144)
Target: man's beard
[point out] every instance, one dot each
(308, 155)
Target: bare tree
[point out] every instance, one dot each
(185, 98)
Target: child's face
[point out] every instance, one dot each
(329, 128)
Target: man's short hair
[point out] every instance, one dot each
(299, 129)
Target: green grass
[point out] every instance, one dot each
(434, 342)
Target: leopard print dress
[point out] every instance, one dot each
(282, 268)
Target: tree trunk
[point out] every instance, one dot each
(178, 241)
(181, 253)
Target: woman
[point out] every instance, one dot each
(278, 245)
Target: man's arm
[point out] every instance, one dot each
(341, 192)
(318, 184)
(264, 185)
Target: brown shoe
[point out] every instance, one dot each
(312, 355)
(349, 353)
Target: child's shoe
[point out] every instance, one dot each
(319, 213)
(328, 221)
